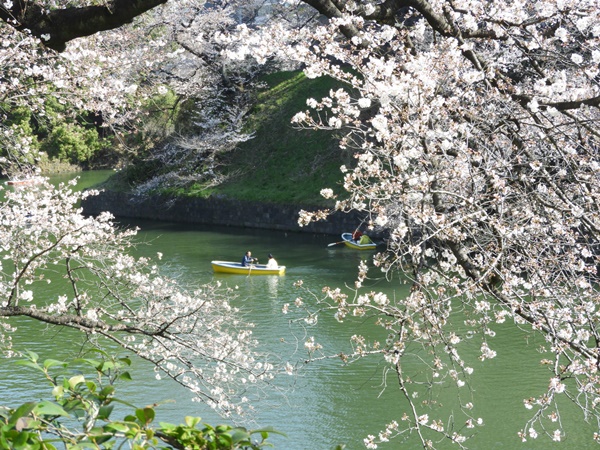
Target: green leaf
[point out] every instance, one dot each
(225, 441)
(239, 434)
(95, 363)
(54, 362)
(20, 441)
(27, 363)
(4, 445)
(74, 381)
(106, 391)
(58, 391)
(126, 361)
(47, 408)
(191, 421)
(125, 376)
(99, 351)
(265, 431)
(107, 365)
(167, 426)
(116, 427)
(145, 415)
(104, 412)
(21, 411)
(32, 355)
(222, 428)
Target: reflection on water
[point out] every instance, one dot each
(328, 403)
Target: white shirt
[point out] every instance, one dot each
(272, 264)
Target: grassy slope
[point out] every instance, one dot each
(283, 164)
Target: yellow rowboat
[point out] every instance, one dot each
(24, 181)
(253, 269)
(365, 243)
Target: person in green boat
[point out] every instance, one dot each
(364, 239)
(248, 259)
(361, 238)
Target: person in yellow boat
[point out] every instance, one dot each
(248, 259)
(272, 263)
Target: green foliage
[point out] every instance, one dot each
(62, 135)
(20, 116)
(71, 142)
(19, 120)
(162, 114)
(212, 438)
(88, 401)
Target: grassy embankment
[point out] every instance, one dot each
(283, 164)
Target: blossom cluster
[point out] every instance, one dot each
(191, 334)
(475, 132)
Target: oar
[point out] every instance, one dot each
(335, 243)
(251, 266)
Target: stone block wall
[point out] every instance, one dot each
(215, 211)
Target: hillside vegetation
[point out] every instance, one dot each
(284, 164)
(280, 164)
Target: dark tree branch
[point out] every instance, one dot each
(330, 10)
(74, 321)
(57, 27)
(575, 104)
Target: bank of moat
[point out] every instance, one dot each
(219, 211)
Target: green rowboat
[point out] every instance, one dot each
(358, 245)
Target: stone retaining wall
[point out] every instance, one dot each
(214, 211)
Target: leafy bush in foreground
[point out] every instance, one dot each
(79, 416)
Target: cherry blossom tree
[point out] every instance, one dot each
(475, 127)
(95, 74)
(220, 88)
(475, 131)
(192, 335)
(193, 49)
(222, 51)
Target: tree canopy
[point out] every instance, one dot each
(476, 139)
(475, 129)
